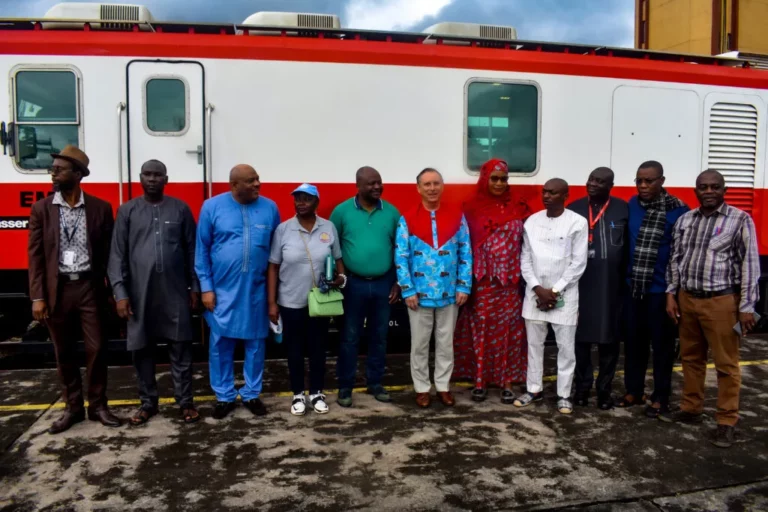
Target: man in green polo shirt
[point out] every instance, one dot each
(366, 225)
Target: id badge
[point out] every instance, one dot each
(591, 254)
(69, 258)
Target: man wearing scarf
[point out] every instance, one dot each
(652, 215)
(433, 259)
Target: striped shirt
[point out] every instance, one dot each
(714, 253)
(554, 256)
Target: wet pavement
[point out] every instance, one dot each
(375, 456)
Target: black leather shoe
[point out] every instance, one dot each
(581, 399)
(256, 406)
(605, 404)
(223, 409)
(105, 417)
(723, 437)
(66, 421)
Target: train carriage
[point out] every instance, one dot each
(304, 100)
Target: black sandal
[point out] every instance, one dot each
(190, 415)
(479, 394)
(507, 396)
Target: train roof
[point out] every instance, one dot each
(405, 38)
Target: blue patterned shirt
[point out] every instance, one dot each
(433, 273)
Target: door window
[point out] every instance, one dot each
(166, 106)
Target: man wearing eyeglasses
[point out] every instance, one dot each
(69, 237)
(652, 215)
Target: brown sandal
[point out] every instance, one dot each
(190, 415)
(141, 417)
(630, 400)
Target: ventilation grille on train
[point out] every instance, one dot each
(493, 32)
(733, 150)
(118, 13)
(315, 21)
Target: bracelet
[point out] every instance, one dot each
(344, 284)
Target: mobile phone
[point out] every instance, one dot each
(737, 327)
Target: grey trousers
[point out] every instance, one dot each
(180, 353)
(423, 320)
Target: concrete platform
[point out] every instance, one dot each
(375, 456)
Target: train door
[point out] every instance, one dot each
(166, 122)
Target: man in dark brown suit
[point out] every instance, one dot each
(69, 237)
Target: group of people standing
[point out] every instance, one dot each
(487, 278)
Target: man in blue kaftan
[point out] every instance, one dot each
(232, 252)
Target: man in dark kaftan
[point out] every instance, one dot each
(601, 286)
(151, 268)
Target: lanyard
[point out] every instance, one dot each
(592, 222)
(69, 236)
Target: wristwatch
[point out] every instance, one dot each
(555, 291)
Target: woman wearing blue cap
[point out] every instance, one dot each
(300, 248)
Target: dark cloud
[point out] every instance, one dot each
(607, 22)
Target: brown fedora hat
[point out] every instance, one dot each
(78, 158)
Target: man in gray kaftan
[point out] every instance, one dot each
(151, 268)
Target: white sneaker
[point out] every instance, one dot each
(318, 402)
(299, 405)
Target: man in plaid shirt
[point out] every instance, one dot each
(711, 293)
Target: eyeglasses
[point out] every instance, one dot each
(647, 181)
(57, 169)
(496, 179)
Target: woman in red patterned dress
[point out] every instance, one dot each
(490, 343)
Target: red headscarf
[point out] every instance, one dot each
(486, 212)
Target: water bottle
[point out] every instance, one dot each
(329, 268)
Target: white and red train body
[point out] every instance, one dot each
(314, 104)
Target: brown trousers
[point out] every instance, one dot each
(77, 312)
(708, 324)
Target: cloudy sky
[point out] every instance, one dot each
(605, 22)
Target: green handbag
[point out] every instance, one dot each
(322, 304)
(325, 304)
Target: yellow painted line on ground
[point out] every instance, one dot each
(283, 394)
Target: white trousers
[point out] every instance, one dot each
(423, 320)
(566, 355)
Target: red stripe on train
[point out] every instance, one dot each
(16, 199)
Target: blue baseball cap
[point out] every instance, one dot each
(307, 189)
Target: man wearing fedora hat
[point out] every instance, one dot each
(69, 237)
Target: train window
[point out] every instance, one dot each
(502, 121)
(47, 115)
(165, 106)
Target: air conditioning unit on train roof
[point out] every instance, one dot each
(473, 30)
(301, 21)
(109, 16)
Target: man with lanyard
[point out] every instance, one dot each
(231, 256)
(152, 271)
(600, 287)
(553, 259)
(366, 225)
(652, 214)
(69, 236)
(714, 271)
